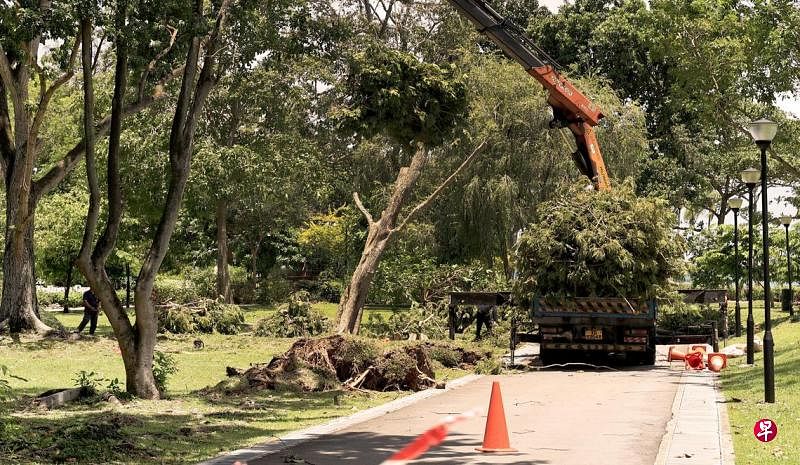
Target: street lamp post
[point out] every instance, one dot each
(763, 131)
(750, 177)
(786, 220)
(735, 204)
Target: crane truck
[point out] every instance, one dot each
(569, 328)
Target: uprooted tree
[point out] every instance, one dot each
(416, 105)
(608, 244)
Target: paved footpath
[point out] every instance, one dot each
(699, 432)
(636, 416)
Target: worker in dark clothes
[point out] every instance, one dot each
(483, 317)
(91, 309)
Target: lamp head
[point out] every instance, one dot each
(735, 203)
(763, 131)
(786, 220)
(751, 176)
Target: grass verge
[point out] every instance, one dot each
(188, 427)
(743, 387)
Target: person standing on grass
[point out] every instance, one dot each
(91, 309)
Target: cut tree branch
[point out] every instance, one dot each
(363, 209)
(424, 204)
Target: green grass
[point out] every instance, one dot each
(743, 387)
(189, 426)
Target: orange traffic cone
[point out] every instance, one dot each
(675, 354)
(495, 438)
(695, 360)
(699, 348)
(717, 361)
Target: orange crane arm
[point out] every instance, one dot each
(571, 108)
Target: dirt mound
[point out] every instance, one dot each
(335, 361)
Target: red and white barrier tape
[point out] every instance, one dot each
(432, 437)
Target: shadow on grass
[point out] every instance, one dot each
(367, 448)
(90, 434)
(101, 437)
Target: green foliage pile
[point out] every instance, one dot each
(206, 316)
(394, 94)
(677, 316)
(404, 278)
(589, 243)
(420, 321)
(293, 319)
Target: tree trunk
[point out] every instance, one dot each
(67, 285)
(127, 285)
(351, 305)
(19, 305)
(355, 294)
(223, 275)
(380, 233)
(254, 259)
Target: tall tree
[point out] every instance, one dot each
(30, 77)
(137, 340)
(416, 105)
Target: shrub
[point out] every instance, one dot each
(174, 289)
(489, 366)
(405, 278)
(273, 288)
(447, 355)
(226, 318)
(293, 319)
(50, 298)
(204, 281)
(164, 366)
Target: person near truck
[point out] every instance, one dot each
(91, 309)
(483, 317)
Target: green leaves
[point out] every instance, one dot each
(607, 244)
(392, 93)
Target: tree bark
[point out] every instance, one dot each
(127, 285)
(19, 147)
(223, 275)
(381, 232)
(378, 236)
(68, 285)
(19, 304)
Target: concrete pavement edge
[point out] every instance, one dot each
(296, 437)
(666, 440)
(725, 437)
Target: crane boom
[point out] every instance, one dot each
(571, 108)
